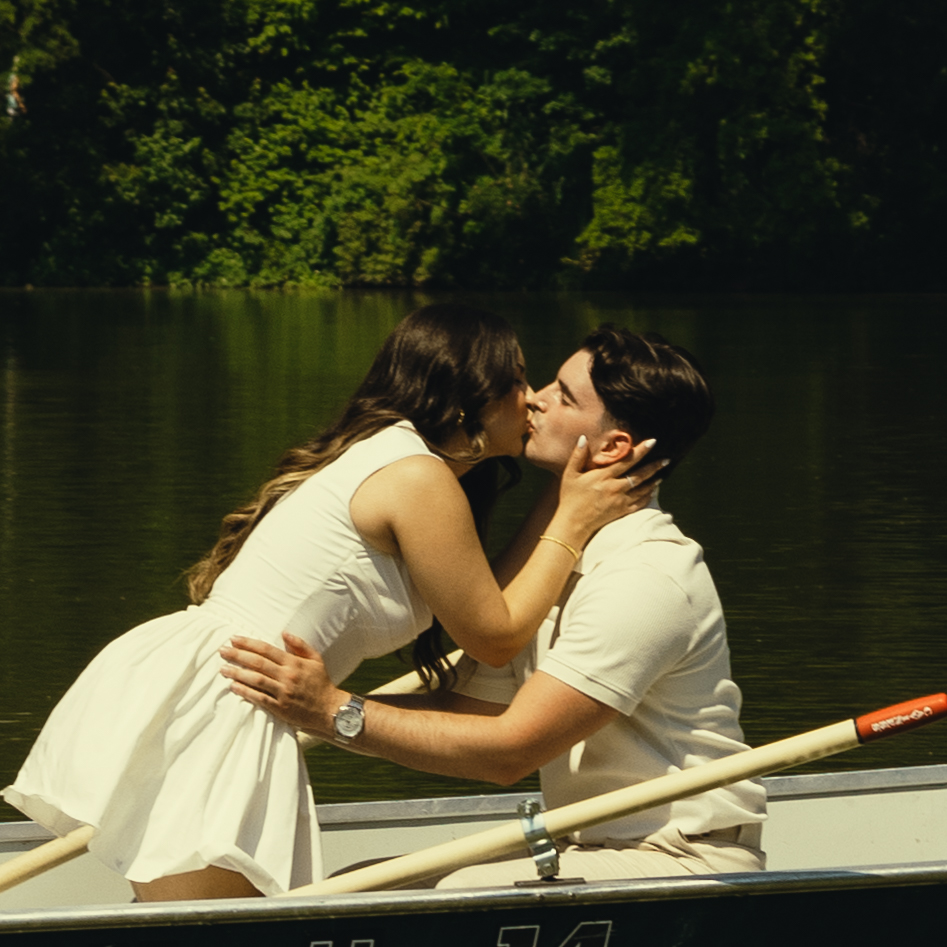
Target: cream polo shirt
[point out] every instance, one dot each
(639, 627)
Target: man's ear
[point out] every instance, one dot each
(615, 445)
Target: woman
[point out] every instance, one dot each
(361, 536)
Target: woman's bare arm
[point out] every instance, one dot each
(521, 546)
(415, 508)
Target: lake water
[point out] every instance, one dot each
(133, 421)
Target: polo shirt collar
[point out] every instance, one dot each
(615, 536)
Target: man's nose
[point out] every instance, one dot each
(535, 399)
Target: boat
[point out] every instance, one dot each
(853, 857)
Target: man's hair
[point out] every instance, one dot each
(651, 388)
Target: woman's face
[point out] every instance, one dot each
(505, 421)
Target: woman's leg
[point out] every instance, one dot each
(211, 882)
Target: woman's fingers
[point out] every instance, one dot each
(603, 494)
(640, 451)
(643, 474)
(621, 474)
(631, 460)
(638, 487)
(579, 457)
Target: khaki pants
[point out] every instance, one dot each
(664, 853)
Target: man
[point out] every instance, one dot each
(628, 677)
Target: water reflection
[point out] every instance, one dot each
(133, 421)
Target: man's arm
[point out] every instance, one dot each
(469, 738)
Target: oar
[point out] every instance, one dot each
(61, 850)
(40, 859)
(508, 839)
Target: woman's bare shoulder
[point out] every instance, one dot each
(414, 487)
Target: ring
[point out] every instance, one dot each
(631, 481)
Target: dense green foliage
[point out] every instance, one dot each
(771, 144)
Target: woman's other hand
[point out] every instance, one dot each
(592, 496)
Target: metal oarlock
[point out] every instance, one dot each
(541, 846)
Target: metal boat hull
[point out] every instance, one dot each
(822, 908)
(900, 816)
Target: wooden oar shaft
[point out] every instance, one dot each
(793, 751)
(507, 839)
(35, 862)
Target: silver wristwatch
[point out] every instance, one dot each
(350, 719)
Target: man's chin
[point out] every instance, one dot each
(537, 459)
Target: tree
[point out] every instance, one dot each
(775, 144)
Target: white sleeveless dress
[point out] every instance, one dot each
(151, 747)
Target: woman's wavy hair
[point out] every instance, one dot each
(438, 369)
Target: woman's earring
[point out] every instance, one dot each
(460, 420)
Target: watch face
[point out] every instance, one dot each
(348, 722)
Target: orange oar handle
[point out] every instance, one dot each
(900, 717)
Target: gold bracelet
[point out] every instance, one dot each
(564, 545)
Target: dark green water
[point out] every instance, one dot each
(131, 422)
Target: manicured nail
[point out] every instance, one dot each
(649, 443)
(583, 440)
(665, 462)
(657, 483)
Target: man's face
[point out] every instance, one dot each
(563, 410)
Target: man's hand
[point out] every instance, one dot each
(292, 684)
(476, 741)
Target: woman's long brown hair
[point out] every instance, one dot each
(438, 369)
